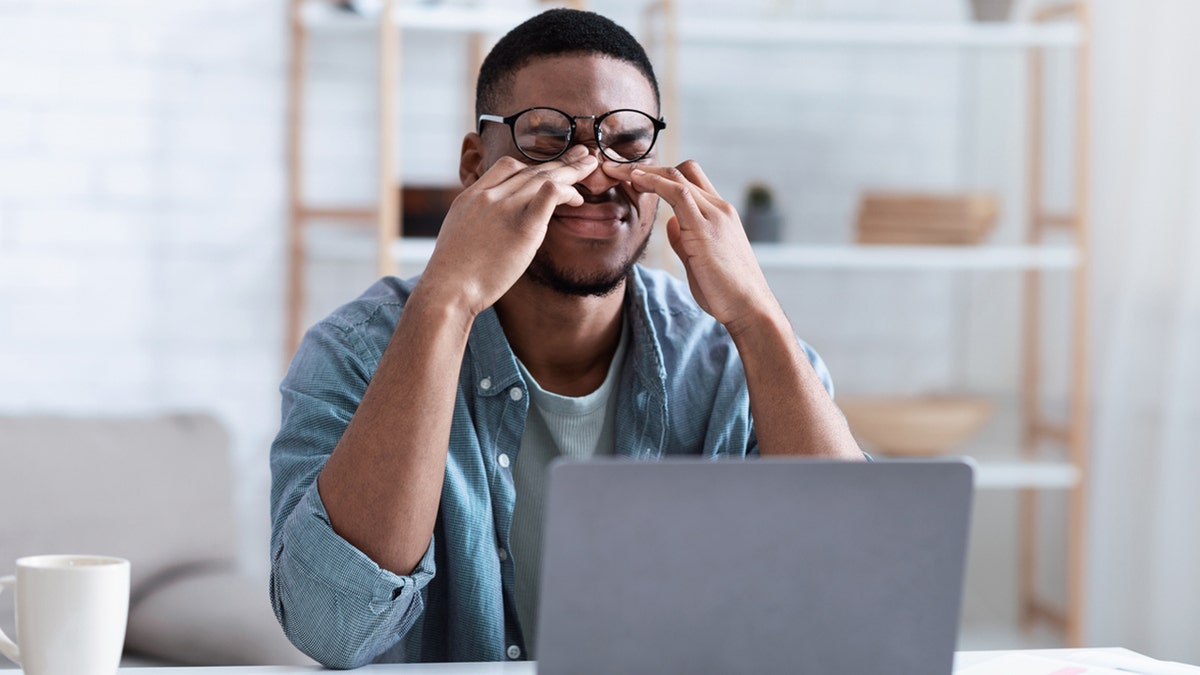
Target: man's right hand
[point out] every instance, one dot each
(496, 225)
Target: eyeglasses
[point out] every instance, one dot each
(543, 134)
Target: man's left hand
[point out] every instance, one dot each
(708, 237)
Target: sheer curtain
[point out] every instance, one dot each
(1144, 580)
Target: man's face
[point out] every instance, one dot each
(588, 249)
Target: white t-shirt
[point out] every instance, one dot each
(557, 426)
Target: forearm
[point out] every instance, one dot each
(382, 484)
(793, 413)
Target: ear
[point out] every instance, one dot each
(470, 161)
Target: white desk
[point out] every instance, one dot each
(1112, 657)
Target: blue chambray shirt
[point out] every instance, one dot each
(682, 391)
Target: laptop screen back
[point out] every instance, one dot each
(764, 566)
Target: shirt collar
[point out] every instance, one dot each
(644, 377)
(495, 366)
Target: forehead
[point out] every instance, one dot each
(580, 84)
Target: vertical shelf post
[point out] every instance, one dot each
(1036, 430)
(296, 251)
(388, 225)
(666, 11)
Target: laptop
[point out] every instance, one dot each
(756, 566)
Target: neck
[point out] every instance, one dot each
(566, 342)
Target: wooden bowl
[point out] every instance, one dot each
(926, 218)
(917, 426)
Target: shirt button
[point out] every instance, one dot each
(514, 652)
(485, 383)
(503, 459)
(515, 393)
(503, 554)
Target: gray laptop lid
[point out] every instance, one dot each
(759, 566)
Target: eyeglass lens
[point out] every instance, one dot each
(544, 133)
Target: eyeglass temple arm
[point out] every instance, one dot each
(488, 118)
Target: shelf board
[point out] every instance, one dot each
(880, 33)
(361, 246)
(999, 465)
(341, 246)
(902, 257)
(439, 18)
(1017, 474)
(412, 250)
(463, 19)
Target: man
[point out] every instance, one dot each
(419, 419)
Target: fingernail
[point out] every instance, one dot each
(577, 151)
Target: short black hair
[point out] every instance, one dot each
(553, 33)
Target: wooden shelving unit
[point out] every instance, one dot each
(1024, 466)
(1063, 26)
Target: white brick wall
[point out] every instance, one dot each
(141, 202)
(142, 194)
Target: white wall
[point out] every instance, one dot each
(141, 204)
(142, 195)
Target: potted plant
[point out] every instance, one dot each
(759, 217)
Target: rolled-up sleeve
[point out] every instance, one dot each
(333, 602)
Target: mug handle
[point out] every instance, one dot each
(7, 646)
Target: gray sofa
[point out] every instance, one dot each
(155, 490)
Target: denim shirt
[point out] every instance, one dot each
(682, 391)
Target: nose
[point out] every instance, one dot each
(597, 182)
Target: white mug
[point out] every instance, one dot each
(71, 614)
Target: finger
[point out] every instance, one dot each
(512, 174)
(541, 203)
(499, 173)
(675, 239)
(575, 165)
(692, 171)
(542, 196)
(669, 183)
(623, 171)
(560, 177)
(703, 193)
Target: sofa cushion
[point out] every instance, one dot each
(214, 618)
(156, 490)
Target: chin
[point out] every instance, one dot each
(585, 267)
(602, 281)
(577, 283)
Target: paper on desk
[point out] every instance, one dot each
(1077, 662)
(1128, 661)
(1028, 664)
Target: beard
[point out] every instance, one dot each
(544, 271)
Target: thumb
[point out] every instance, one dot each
(674, 238)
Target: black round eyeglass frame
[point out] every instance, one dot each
(511, 121)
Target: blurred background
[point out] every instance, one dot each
(989, 260)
